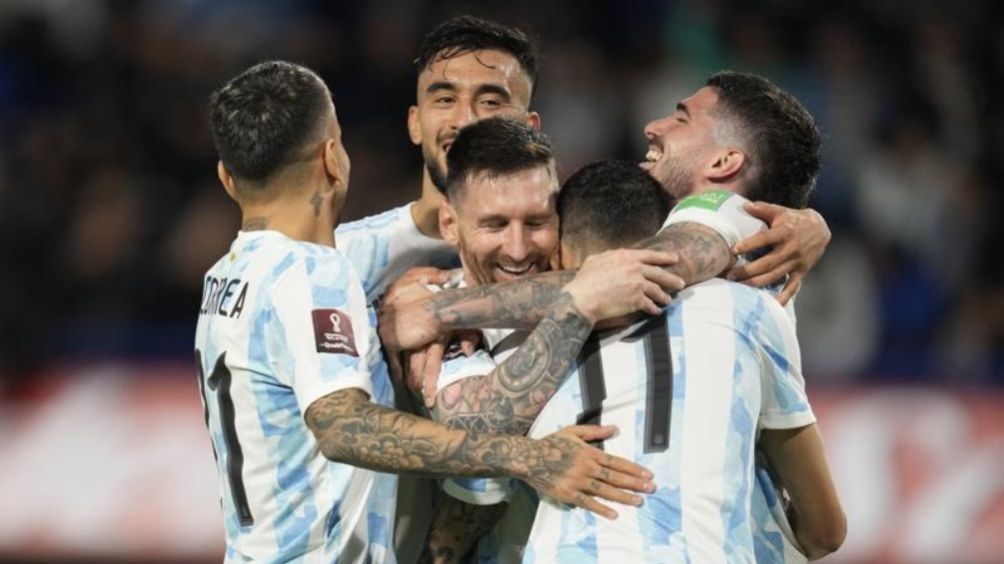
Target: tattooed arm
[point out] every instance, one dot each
(702, 254)
(508, 399)
(351, 429)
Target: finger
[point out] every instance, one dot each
(624, 481)
(762, 239)
(623, 465)
(416, 364)
(773, 275)
(438, 277)
(761, 265)
(655, 293)
(791, 288)
(592, 432)
(653, 257)
(764, 210)
(433, 365)
(609, 493)
(671, 282)
(587, 502)
(651, 308)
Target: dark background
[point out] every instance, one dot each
(110, 210)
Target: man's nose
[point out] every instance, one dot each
(516, 244)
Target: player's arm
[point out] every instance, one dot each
(508, 399)
(352, 430)
(407, 324)
(790, 437)
(817, 517)
(456, 527)
(798, 239)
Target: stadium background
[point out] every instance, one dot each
(110, 212)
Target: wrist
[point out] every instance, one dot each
(580, 303)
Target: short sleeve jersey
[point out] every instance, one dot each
(688, 391)
(383, 246)
(282, 324)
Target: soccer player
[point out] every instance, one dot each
(299, 426)
(691, 391)
(468, 69)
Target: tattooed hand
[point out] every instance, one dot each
(799, 238)
(352, 430)
(623, 281)
(570, 471)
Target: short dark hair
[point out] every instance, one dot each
(496, 146)
(609, 205)
(264, 116)
(464, 34)
(781, 138)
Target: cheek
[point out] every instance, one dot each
(546, 241)
(482, 246)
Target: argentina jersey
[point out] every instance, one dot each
(382, 247)
(723, 212)
(688, 392)
(282, 324)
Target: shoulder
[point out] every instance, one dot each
(301, 263)
(377, 222)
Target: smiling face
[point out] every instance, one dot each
(504, 227)
(681, 144)
(460, 90)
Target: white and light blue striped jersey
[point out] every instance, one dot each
(723, 212)
(383, 246)
(504, 543)
(688, 391)
(284, 323)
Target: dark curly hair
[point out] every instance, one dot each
(496, 146)
(609, 205)
(464, 34)
(780, 136)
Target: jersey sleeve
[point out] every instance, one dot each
(320, 335)
(382, 247)
(785, 404)
(479, 491)
(719, 210)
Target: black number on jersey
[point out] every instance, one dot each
(659, 383)
(219, 381)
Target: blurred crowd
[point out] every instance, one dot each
(110, 210)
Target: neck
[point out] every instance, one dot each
(298, 220)
(425, 211)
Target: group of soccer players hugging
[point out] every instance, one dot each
(602, 371)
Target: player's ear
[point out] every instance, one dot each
(558, 257)
(448, 223)
(332, 168)
(725, 165)
(227, 180)
(533, 120)
(414, 127)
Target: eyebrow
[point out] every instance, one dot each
(490, 88)
(493, 89)
(681, 107)
(440, 85)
